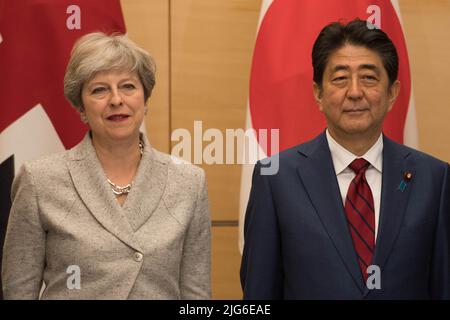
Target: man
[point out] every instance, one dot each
(350, 214)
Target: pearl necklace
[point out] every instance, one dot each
(118, 190)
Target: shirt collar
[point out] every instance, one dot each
(342, 157)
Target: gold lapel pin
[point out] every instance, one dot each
(407, 176)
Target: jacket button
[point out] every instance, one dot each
(138, 256)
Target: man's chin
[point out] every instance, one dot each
(357, 130)
(357, 126)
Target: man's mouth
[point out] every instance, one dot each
(356, 110)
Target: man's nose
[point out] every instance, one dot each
(354, 90)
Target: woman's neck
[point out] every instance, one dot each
(119, 159)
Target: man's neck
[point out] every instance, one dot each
(358, 144)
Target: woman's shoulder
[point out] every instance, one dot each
(177, 166)
(48, 164)
(184, 182)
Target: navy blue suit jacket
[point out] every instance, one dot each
(297, 242)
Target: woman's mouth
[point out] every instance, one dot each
(118, 117)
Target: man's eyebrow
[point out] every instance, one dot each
(340, 67)
(344, 67)
(369, 66)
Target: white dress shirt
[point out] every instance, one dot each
(341, 160)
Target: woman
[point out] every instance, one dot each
(111, 218)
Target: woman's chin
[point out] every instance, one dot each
(120, 134)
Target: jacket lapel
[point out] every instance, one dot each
(317, 173)
(148, 187)
(91, 184)
(394, 198)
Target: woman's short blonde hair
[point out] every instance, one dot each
(96, 52)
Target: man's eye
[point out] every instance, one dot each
(342, 78)
(370, 78)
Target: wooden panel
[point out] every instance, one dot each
(147, 23)
(427, 26)
(225, 263)
(212, 44)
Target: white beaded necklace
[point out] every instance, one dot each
(118, 190)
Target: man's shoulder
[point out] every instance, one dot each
(304, 148)
(420, 157)
(290, 158)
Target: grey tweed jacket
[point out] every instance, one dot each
(64, 217)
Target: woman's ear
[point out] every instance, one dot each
(83, 116)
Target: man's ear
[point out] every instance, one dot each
(317, 91)
(393, 92)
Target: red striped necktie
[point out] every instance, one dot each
(360, 213)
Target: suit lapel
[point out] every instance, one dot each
(317, 173)
(148, 188)
(394, 200)
(91, 184)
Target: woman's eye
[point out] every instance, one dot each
(129, 86)
(98, 90)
